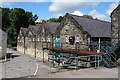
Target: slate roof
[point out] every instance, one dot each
(35, 29)
(52, 26)
(24, 31)
(95, 28)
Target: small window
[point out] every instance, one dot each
(43, 30)
(77, 38)
(18, 37)
(38, 39)
(67, 27)
(43, 39)
(48, 39)
(33, 39)
(67, 38)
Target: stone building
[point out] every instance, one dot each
(115, 22)
(75, 29)
(21, 40)
(47, 30)
(33, 40)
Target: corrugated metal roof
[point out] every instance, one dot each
(95, 28)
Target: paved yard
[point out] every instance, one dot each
(84, 73)
(19, 65)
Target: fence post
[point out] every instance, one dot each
(50, 64)
(95, 61)
(98, 61)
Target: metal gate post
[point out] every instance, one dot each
(98, 61)
(95, 61)
(53, 58)
(77, 62)
(62, 59)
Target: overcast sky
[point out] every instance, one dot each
(46, 9)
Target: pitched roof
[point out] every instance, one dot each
(95, 28)
(52, 26)
(24, 31)
(35, 29)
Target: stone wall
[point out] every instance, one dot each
(115, 20)
(71, 29)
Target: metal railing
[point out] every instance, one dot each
(18, 69)
(96, 61)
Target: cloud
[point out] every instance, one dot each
(59, 7)
(6, 4)
(57, 14)
(77, 13)
(96, 14)
(111, 8)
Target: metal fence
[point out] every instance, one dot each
(18, 69)
(96, 62)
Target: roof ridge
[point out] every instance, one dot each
(90, 18)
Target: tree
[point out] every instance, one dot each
(5, 18)
(88, 16)
(13, 20)
(56, 19)
(31, 18)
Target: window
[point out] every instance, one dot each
(18, 37)
(77, 38)
(43, 30)
(33, 39)
(67, 27)
(38, 39)
(48, 39)
(67, 38)
(43, 39)
(22, 40)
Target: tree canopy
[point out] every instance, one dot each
(55, 19)
(13, 20)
